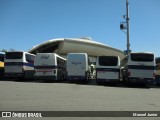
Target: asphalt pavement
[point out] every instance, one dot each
(65, 96)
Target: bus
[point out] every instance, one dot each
(19, 65)
(50, 66)
(107, 69)
(138, 67)
(78, 67)
(157, 73)
(2, 54)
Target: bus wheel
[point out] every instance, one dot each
(86, 80)
(62, 78)
(98, 82)
(86, 77)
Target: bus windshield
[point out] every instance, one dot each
(108, 60)
(14, 55)
(142, 57)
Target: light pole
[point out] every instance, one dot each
(125, 26)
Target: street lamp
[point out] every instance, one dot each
(125, 27)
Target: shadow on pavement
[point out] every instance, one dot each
(90, 83)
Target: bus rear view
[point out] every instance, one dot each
(19, 65)
(50, 66)
(108, 69)
(78, 68)
(139, 68)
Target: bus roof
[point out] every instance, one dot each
(142, 53)
(2, 53)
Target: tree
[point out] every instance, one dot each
(4, 50)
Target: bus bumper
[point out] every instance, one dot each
(46, 78)
(107, 80)
(76, 78)
(141, 80)
(13, 75)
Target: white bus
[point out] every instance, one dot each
(78, 67)
(19, 65)
(138, 68)
(157, 73)
(50, 66)
(107, 69)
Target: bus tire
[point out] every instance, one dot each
(87, 77)
(98, 82)
(62, 78)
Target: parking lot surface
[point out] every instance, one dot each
(66, 96)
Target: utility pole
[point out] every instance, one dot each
(125, 26)
(127, 20)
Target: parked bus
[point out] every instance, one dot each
(157, 73)
(138, 68)
(50, 66)
(78, 67)
(19, 65)
(107, 69)
(2, 54)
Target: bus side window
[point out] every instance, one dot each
(1, 57)
(29, 58)
(60, 62)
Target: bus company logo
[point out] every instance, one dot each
(6, 114)
(44, 56)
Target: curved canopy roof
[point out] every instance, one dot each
(62, 46)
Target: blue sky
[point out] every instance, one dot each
(26, 23)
